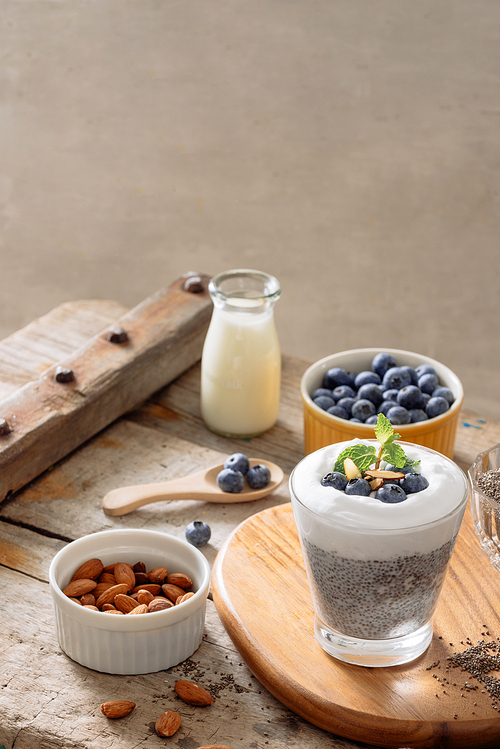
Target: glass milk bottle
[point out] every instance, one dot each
(241, 362)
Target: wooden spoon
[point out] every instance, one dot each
(201, 485)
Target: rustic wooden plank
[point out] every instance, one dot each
(49, 419)
(24, 355)
(27, 551)
(48, 701)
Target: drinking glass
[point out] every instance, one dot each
(374, 591)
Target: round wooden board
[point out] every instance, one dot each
(261, 593)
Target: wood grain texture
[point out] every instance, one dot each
(47, 700)
(49, 419)
(270, 619)
(24, 355)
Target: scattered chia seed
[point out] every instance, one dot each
(489, 483)
(479, 660)
(192, 671)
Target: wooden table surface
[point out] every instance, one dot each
(47, 700)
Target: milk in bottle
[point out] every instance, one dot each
(241, 362)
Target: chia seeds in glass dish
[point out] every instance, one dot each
(484, 476)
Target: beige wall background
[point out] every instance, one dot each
(349, 147)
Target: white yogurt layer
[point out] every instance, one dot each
(447, 485)
(355, 525)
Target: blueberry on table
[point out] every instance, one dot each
(391, 494)
(413, 483)
(436, 406)
(361, 487)
(398, 415)
(239, 462)
(258, 476)
(362, 409)
(230, 480)
(335, 479)
(198, 533)
(383, 362)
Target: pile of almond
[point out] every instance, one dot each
(125, 589)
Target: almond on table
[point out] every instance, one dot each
(117, 708)
(192, 693)
(168, 723)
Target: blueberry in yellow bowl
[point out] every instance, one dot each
(342, 395)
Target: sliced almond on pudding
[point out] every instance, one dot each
(351, 469)
(376, 474)
(376, 484)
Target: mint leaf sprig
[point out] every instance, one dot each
(365, 456)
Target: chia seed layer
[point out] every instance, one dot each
(489, 483)
(376, 599)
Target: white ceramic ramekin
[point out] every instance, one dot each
(130, 644)
(322, 428)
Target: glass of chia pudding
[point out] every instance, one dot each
(484, 475)
(376, 566)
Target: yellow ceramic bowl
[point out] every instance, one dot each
(321, 428)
